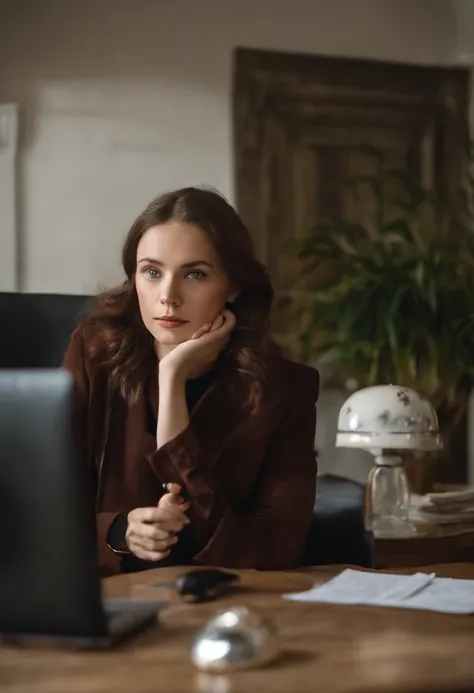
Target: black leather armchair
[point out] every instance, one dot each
(35, 332)
(36, 328)
(337, 533)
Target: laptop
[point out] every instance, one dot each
(50, 587)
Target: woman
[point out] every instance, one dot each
(200, 436)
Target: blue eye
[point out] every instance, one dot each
(151, 272)
(196, 275)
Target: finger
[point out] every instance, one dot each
(174, 489)
(173, 493)
(173, 525)
(174, 497)
(147, 544)
(172, 500)
(229, 319)
(173, 509)
(145, 515)
(218, 323)
(150, 537)
(202, 330)
(150, 531)
(169, 519)
(158, 532)
(225, 328)
(178, 502)
(174, 518)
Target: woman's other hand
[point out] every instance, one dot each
(152, 532)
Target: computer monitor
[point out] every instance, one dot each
(49, 577)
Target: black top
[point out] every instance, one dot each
(183, 552)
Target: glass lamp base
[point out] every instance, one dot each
(393, 528)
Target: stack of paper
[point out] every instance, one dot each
(418, 591)
(447, 508)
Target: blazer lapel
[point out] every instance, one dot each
(234, 440)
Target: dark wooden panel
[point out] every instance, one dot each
(293, 108)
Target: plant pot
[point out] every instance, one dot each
(421, 470)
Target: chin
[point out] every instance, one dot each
(171, 337)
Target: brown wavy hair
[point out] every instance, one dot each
(119, 340)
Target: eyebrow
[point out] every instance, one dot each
(186, 265)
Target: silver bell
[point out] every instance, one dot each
(234, 639)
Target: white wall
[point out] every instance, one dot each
(8, 206)
(123, 99)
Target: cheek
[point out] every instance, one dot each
(210, 300)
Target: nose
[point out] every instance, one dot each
(169, 294)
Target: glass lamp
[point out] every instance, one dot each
(388, 420)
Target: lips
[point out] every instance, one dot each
(170, 318)
(170, 321)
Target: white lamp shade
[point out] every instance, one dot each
(388, 417)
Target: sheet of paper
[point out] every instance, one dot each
(417, 591)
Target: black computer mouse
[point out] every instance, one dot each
(205, 585)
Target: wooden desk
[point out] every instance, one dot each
(329, 649)
(446, 544)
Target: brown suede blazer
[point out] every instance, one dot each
(251, 479)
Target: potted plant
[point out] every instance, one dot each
(387, 295)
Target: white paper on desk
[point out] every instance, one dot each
(417, 591)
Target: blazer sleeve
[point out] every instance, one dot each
(74, 362)
(271, 532)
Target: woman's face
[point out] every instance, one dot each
(180, 282)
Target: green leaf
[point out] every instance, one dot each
(411, 194)
(420, 273)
